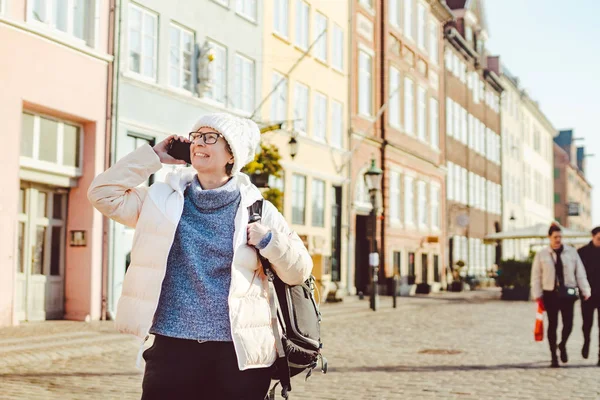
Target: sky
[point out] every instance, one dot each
(553, 47)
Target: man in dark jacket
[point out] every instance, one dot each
(590, 255)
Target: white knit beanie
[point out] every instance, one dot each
(242, 135)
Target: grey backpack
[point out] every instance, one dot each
(295, 311)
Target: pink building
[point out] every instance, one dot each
(55, 78)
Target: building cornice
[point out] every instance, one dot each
(494, 80)
(441, 10)
(456, 39)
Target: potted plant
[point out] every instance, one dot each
(457, 278)
(514, 279)
(265, 164)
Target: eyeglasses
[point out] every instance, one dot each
(207, 137)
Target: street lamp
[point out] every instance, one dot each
(293, 147)
(373, 182)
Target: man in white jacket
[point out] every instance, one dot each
(556, 272)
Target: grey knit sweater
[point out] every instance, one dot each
(193, 301)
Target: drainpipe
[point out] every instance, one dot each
(382, 121)
(350, 52)
(110, 123)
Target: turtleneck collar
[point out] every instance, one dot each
(210, 200)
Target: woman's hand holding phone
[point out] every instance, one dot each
(161, 149)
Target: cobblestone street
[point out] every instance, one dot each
(448, 346)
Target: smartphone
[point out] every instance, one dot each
(180, 150)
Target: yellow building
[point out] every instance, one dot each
(305, 83)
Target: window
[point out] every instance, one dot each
(397, 255)
(318, 203)
(301, 108)
(394, 13)
(320, 31)
(365, 84)
(280, 15)
(409, 104)
(244, 84)
(394, 197)
(302, 12)
(408, 16)
(247, 8)
(434, 123)
(180, 57)
(320, 117)
(51, 141)
(556, 173)
(450, 182)
(298, 199)
(394, 100)
(421, 26)
(337, 124)
(337, 51)
(409, 201)
(218, 68)
(279, 98)
(134, 141)
(435, 206)
(367, 3)
(74, 17)
(143, 30)
(449, 117)
(421, 116)
(433, 42)
(422, 201)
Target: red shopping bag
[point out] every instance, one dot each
(538, 331)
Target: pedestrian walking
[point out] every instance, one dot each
(195, 281)
(590, 256)
(556, 273)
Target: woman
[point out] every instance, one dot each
(556, 271)
(195, 279)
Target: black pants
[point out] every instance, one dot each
(553, 305)
(185, 369)
(587, 312)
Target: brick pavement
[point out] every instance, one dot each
(449, 346)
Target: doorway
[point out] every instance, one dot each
(336, 234)
(40, 261)
(362, 276)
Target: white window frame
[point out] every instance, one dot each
(301, 104)
(434, 49)
(320, 117)
(301, 39)
(422, 210)
(279, 99)
(247, 9)
(337, 48)
(395, 197)
(450, 182)
(181, 52)
(299, 178)
(408, 19)
(409, 106)
(216, 64)
(434, 205)
(421, 26)
(409, 201)
(434, 123)
(89, 26)
(141, 74)
(337, 125)
(449, 117)
(245, 86)
(281, 18)
(363, 74)
(318, 202)
(34, 162)
(395, 13)
(320, 27)
(394, 110)
(421, 113)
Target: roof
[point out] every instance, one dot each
(456, 4)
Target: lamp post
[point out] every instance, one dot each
(373, 182)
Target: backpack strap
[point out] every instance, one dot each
(255, 215)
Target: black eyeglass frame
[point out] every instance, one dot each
(192, 136)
